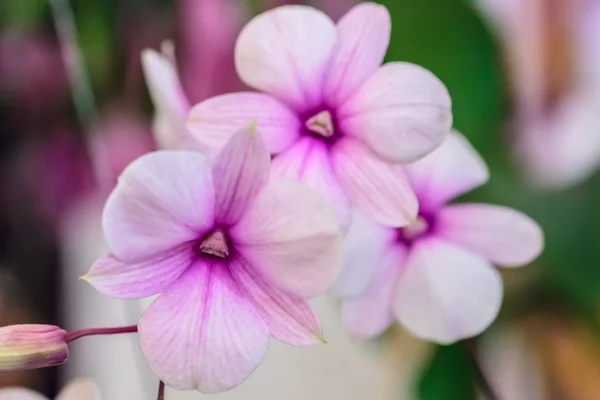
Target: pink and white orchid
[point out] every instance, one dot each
(334, 117)
(435, 276)
(232, 255)
(79, 389)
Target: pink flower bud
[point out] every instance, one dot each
(24, 347)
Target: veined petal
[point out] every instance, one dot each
(79, 389)
(371, 313)
(170, 101)
(240, 170)
(214, 121)
(501, 235)
(218, 339)
(138, 280)
(363, 38)
(363, 247)
(162, 199)
(376, 188)
(291, 235)
(308, 161)
(402, 112)
(446, 293)
(290, 319)
(452, 169)
(285, 52)
(19, 393)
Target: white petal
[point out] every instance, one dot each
(501, 235)
(289, 318)
(239, 171)
(18, 393)
(371, 314)
(375, 187)
(162, 199)
(451, 170)
(363, 38)
(308, 161)
(402, 112)
(363, 248)
(80, 389)
(291, 235)
(216, 120)
(202, 333)
(445, 293)
(285, 52)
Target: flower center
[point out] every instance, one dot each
(321, 124)
(215, 244)
(422, 226)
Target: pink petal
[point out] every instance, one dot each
(308, 161)
(363, 38)
(292, 237)
(285, 52)
(363, 247)
(138, 280)
(215, 120)
(169, 99)
(162, 199)
(218, 339)
(80, 389)
(376, 188)
(402, 112)
(451, 170)
(240, 170)
(371, 314)
(446, 293)
(290, 319)
(19, 393)
(501, 235)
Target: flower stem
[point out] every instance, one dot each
(74, 335)
(161, 391)
(470, 347)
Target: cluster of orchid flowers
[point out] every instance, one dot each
(334, 177)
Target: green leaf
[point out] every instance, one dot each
(448, 376)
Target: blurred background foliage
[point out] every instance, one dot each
(449, 37)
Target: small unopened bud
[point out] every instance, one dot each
(25, 347)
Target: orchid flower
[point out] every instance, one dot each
(553, 55)
(232, 254)
(333, 116)
(76, 390)
(435, 276)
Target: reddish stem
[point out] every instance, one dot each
(161, 391)
(72, 336)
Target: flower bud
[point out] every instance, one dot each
(25, 347)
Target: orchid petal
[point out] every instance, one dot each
(363, 247)
(451, 170)
(446, 293)
(363, 38)
(289, 318)
(501, 235)
(169, 99)
(291, 235)
(80, 389)
(371, 314)
(285, 52)
(240, 170)
(155, 208)
(376, 188)
(308, 161)
(218, 338)
(217, 119)
(138, 280)
(402, 112)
